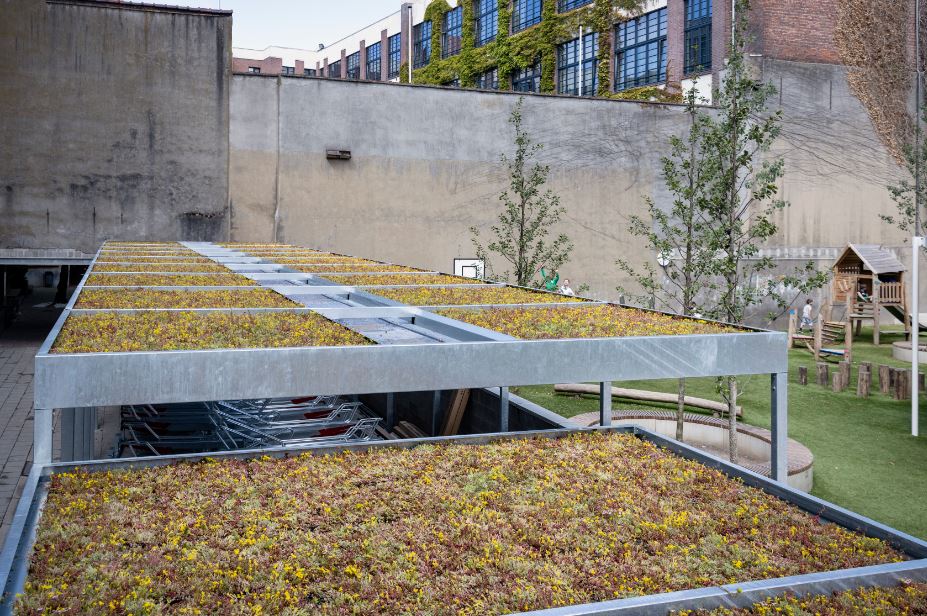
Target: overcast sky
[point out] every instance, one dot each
(296, 23)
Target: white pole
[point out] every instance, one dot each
(411, 29)
(916, 243)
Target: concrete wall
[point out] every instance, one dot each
(425, 167)
(114, 123)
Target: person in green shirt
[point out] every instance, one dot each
(550, 280)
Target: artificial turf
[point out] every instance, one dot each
(865, 458)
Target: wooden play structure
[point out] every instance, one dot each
(867, 278)
(828, 339)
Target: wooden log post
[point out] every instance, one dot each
(884, 378)
(900, 389)
(803, 375)
(835, 381)
(848, 343)
(793, 326)
(823, 374)
(844, 369)
(863, 381)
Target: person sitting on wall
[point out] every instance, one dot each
(565, 289)
(550, 281)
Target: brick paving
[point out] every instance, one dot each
(18, 346)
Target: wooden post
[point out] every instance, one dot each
(818, 327)
(900, 387)
(836, 381)
(892, 377)
(803, 375)
(920, 382)
(863, 381)
(844, 369)
(884, 378)
(875, 311)
(848, 342)
(823, 374)
(792, 326)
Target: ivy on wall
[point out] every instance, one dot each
(510, 52)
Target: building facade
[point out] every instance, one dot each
(551, 46)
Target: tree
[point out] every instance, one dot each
(743, 196)
(910, 193)
(520, 234)
(678, 236)
(726, 193)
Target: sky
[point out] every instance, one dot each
(257, 24)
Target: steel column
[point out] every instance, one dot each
(503, 409)
(605, 403)
(66, 429)
(390, 411)
(779, 424)
(42, 437)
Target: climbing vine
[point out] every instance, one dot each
(872, 40)
(508, 52)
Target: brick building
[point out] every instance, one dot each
(673, 41)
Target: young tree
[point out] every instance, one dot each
(743, 196)
(520, 234)
(725, 187)
(678, 236)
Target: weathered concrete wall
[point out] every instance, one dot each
(114, 123)
(425, 167)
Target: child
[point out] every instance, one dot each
(806, 321)
(566, 289)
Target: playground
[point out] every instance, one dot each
(865, 457)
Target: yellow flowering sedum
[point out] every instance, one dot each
(458, 296)
(142, 298)
(602, 321)
(160, 267)
(473, 529)
(409, 279)
(906, 598)
(353, 267)
(108, 332)
(168, 280)
(149, 259)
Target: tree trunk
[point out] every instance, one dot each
(732, 419)
(681, 408)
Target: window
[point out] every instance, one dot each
(353, 65)
(373, 62)
(698, 36)
(576, 66)
(421, 44)
(488, 80)
(527, 79)
(309, 72)
(525, 13)
(254, 70)
(288, 70)
(395, 55)
(451, 32)
(334, 69)
(487, 21)
(641, 51)
(569, 5)
(454, 83)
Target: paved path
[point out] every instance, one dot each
(18, 346)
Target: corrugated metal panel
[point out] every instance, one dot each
(878, 259)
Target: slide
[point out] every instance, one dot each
(898, 314)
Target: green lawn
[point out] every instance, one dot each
(865, 457)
